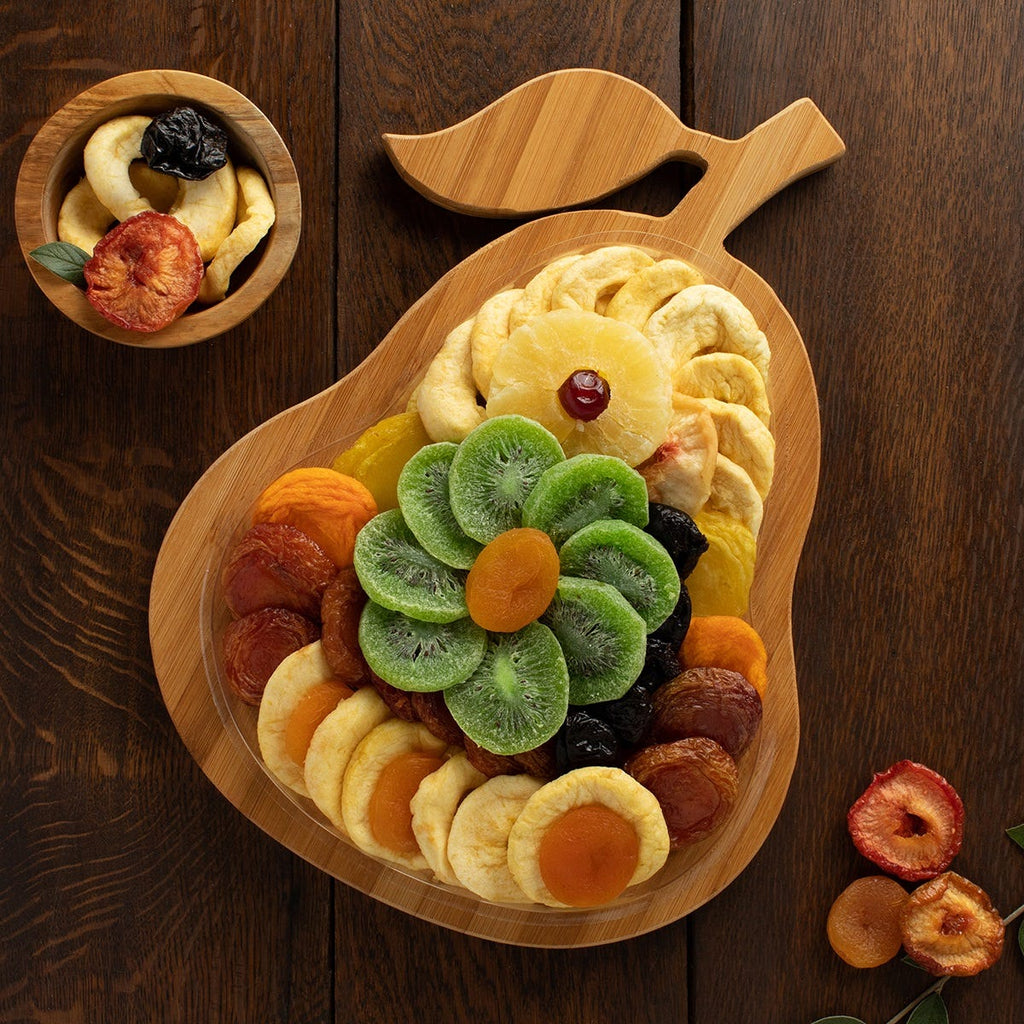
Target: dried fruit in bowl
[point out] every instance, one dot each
(145, 272)
(949, 926)
(909, 821)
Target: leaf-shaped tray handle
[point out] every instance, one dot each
(565, 138)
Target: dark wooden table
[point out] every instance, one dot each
(130, 890)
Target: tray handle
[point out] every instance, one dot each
(742, 174)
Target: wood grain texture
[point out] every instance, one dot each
(130, 889)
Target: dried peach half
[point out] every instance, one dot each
(909, 821)
(864, 921)
(145, 272)
(949, 926)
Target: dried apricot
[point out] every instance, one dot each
(588, 856)
(726, 641)
(864, 921)
(512, 580)
(313, 707)
(389, 811)
(326, 505)
(949, 926)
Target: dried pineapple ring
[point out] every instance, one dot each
(706, 318)
(446, 398)
(207, 208)
(83, 220)
(727, 377)
(254, 222)
(107, 157)
(733, 492)
(490, 331)
(681, 470)
(743, 438)
(596, 274)
(536, 297)
(649, 289)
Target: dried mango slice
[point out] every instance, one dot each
(108, 155)
(83, 220)
(255, 221)
(720, 584)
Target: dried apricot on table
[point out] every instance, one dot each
(512, 580)
(145, 272)
(726, 641)
(949, 926)
(909, 821)
(864, 921)
(327, 506)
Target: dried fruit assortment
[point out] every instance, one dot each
(909, 821)
(475, 659)
(159, 199)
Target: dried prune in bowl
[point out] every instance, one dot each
(184, 143)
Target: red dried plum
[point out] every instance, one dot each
(257, 643)
(275, 565)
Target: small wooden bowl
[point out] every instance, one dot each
(53, 164)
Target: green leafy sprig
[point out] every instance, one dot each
(928, 1007)
(63, 259)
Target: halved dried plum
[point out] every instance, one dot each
(184, 143)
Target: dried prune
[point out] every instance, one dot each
(583, 740)
(661, 665)
(488, 763)
(433, 712)
(679, 535)
(342, 605)
(184, 143)
(629, 716)
(675, 627)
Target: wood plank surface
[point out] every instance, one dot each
(131, 890)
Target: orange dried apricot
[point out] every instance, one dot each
(313, 707)
(726, 641)
(588, 856)
(513, 580)
(389, 812)
(864, 921)
(325, 505)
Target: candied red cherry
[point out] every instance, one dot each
(584, 395)
(909, 821)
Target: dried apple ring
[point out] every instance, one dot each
(108, 155)
(207, 208)
(83, 220)
(446, 398)
(255, 220)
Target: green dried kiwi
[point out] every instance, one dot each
(396, 572)
(494, 471)
(518, 696)
(632, 561)
(419, 656)
(426, 506)
(603, 639)
(583, 489)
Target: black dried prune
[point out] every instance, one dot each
(184, 143)
(679, 535)
(629, 716)
(585, 740)
(660, 665)
(674, 628)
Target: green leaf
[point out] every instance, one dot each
(63, 259)
(930, 1011)
(839, 1020)
(1017, 835)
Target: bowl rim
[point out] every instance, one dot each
(246, 124)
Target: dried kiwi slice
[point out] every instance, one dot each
(583, 489)
(494, 471)
(416, 655)
(396, 572)
(603, 639)
(517, 697)
(423, 498)
(632, 561)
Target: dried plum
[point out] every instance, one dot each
(184, 143)
(629, 716)
(679, 535)
(674, 628)
(585, 740)
(661, 665)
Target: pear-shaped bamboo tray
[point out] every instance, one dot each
(187, 615)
